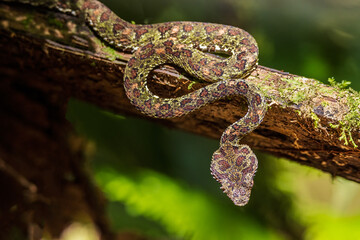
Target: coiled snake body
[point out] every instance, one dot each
(184, 44)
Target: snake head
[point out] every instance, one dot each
(234, 168)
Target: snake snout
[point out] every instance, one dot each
(240, 196)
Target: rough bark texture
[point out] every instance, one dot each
(47, 57)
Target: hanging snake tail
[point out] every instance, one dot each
(233, 165)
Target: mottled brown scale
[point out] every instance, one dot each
(188, 53)
(168, 43)
(140, 32)
(187, 27)
(233, 32)
(163, 29)
(186, 44)
(117, 27)
(217, 71)
(203, 62)
(105, 16)
(204, 93)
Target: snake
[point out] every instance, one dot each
(195, 47)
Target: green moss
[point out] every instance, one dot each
(343, 84)
(55, 22)
(26, 22)
(264, 87)
(324, 104)
(298, 97)
(190, 85)
(334, 125)
(296, 91)
(351, 120)
(112, 53)
(315, 118)
(298, 112)
(343, 137)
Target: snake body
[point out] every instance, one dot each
(185, 44)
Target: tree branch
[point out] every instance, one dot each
(308, 122)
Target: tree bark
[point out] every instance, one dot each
(48, 57)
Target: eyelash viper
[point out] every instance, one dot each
(185, 44)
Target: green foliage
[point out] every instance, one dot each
(55, 22)
(330, 209)
(181, 211)
(191, 85)
(329, 226)
(343, 84)
(178, 186)
(28, 20)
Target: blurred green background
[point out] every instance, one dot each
(157, 179)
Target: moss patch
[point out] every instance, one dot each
(296, 90)
(351, 121)
(112, 54)
(55, 22)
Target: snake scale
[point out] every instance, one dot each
(187, 45)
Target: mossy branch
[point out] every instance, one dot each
(308, 122)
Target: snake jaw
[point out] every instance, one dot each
(234, 168)
(239, 193)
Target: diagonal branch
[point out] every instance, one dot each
(308, 122)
